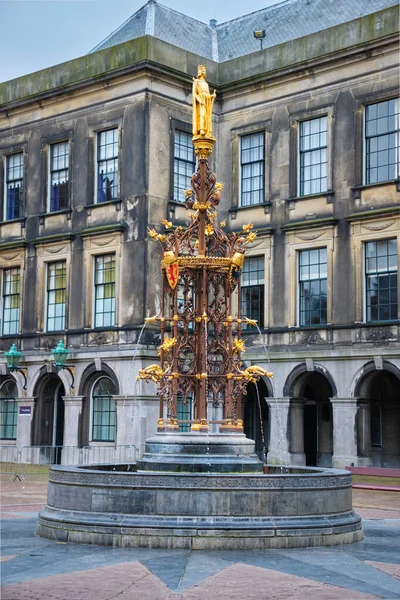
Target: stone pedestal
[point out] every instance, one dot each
(196, 452)
(364, 433)
(344, 432)
(297, 455)
(26, 407)
(278, 453)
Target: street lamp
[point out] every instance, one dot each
(13, 357)
(60, 353)
(260, 34)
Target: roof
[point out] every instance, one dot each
(282, 22)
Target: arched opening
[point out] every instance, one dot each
(378, 419)
(99, 418)
(48, 418)
(311, 421)
(256, 417)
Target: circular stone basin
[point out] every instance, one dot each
(292, 507)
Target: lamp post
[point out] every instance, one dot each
(60, 353)
(13, 356)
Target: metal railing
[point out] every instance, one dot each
(36, 459)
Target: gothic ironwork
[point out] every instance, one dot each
(201, 325)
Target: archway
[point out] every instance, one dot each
(311, 420)
(256, 417)
(48, 418)
(378, 417)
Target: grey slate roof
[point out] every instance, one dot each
(282, 22)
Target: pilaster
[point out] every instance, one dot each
(26, 407)
(278, 453)
(364, 432)
(344, 432)
(72, 418)
(297, 455)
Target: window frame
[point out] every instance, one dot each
(300, 182)
(91, 415)
(7, 157)
(241, 164)
(184, 129)
(262, 301)
(97, 133)
(14, 412)
(365, 275)
(369, 103)
(47, 291)
(2, 300)
(51, 145)
(299, 281)
(95, 258)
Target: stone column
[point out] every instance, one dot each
(25, 407)
(364, 432)
(278, 453)
(72, 423)
(297, 455)
(344, 432)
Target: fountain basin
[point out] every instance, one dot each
(111, 505)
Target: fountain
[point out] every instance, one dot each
(198, 489)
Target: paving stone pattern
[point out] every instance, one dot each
(34, 568)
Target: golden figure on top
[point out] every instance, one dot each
(202, 104)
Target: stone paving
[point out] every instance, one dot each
(34, 568)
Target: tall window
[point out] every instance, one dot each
(381, 280)
(313, 156)
(312, 286)
(59, 165)
(56, 296)
(107, 165)
(184, 412)
(14, 186)
(252, 289)
(103, 411)
(252, 169)
(104, 284)
(8, 411)
(184, 164)
(11, 300)
(382, 141)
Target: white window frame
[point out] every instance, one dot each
(48, 203)
(364, 141)
(300, 123)
(96, 144)
(240, 166)
(10, 268)
(47, 264)
(5, 195)
(100, 442)
(94, 259)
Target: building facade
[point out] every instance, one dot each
(96, 150)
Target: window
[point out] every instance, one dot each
(8, 411)
(184, 164)
(104, 284)
(14, 186)
(103, 411)
(382, 134)
(381, 280)
(252, 169)
(184, 412)
(252, 289)
(59, 164)
(312, 286)
(107, 165)
(11, 300)
(313, 156)
(56, 296)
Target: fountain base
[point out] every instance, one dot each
(111, 505)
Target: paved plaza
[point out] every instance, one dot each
(34, 568)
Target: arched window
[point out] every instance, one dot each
(8, 411)
(103, 410)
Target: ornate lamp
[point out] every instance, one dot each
(13, 356)
(259, 34)
(60, 353)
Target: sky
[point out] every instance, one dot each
(35, 34)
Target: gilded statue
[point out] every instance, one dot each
(202, 104)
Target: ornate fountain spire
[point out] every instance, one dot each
(201, 331)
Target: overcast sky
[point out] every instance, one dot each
(35, 34)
